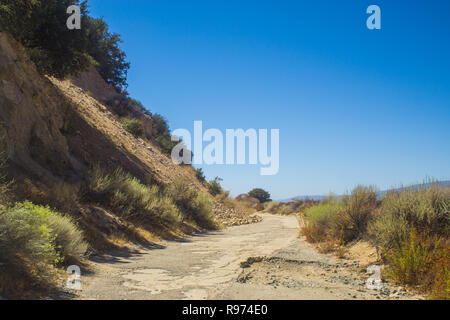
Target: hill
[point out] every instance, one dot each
(445, 184)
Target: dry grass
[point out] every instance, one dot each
(410, 226)
(193, 205)
(422, 261)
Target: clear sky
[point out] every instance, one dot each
(353, 105)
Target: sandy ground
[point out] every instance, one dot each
(265, 260)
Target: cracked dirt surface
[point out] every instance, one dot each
(216, 265)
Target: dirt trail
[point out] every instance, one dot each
(214, 266)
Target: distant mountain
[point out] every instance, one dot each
(444, 184)
(316, 197)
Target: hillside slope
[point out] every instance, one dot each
(55, 130)
(53, 133)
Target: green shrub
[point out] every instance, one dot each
(425, 210)
(133, 126)
(67, 239)
(409, 263)
(320, 221)
(130, 198)
(322, 214)
(424, 261)
(412, 230)
(193, 205)
(27, 233)
(214, 187)
(34, 239)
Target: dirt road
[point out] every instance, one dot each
(216, 265)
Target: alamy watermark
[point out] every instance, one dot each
(374, 281)
(74, 20)
(231, 150)
(74, 280)
(374, 20)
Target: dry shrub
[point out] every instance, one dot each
(131, 199)
(64, 196)
(284, 208)
(357, 213)
(341, 251)
(271, 207)
(327, 246)
(193, 205)
(241, 206)
(319, 221)
(412, 228)
(424, 261)
(425, 210)
(314, 233)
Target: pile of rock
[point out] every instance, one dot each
(232, 217)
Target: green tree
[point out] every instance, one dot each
(161, 133)
(260, 194)
(103, 46)
(15, 16)
(41, 27)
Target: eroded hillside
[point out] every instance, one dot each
(54, 133)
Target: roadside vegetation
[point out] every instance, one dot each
(410, 227)
(147, 204)
(45, 226)
(36, 241)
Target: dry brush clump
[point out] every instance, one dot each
(320, 222)
(193, 205)
(34, 240)
(130, 199)
(411, 228)
(146, 204)
(357, 212)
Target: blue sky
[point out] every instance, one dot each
(354, 106)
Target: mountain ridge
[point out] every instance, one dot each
(443, 183)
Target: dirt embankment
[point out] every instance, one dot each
(53, 131)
